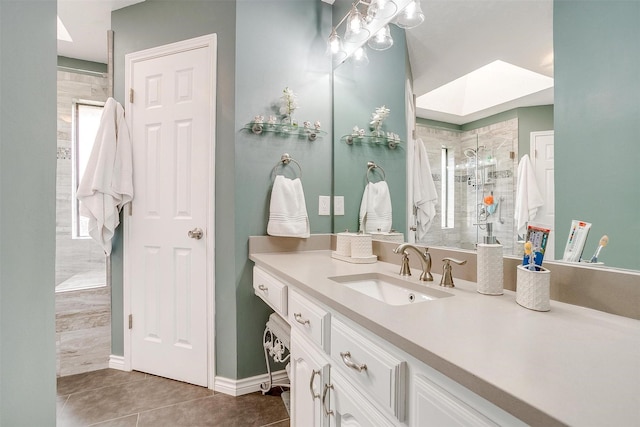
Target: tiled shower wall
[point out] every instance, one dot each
(83, 317)
(73, 256)
(494, 172)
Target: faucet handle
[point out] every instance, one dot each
(457, 261)
(447, 277)
(404, 268)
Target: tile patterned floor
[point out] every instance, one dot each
(111, 398)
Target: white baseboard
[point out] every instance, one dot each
(247, 385)
(116, 362)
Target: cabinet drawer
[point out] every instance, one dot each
(380, 374)
(310, 319)
(271, 290)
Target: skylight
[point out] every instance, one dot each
(63, 34)
(486, 87)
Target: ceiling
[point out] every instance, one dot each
(87, 22)
(457, 37)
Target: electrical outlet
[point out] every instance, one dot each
(338, 205)
(324, 205)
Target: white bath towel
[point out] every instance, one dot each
(375, 209)
(425, 195)
(107, 183)
(288, 211)
(528, 197)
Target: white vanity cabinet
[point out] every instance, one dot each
(271, 290)
(309, 374)
(323, 391)
(345, 375)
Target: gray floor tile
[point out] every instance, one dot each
(128, 421)
(111, 398)
(219, 410)
(117, 401)
(96, 379)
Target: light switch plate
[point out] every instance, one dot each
(338, 205)
(324, 205)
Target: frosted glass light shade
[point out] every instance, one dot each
(360, 57)
(411, 16)
(381, 40)
(356, 27)
(381, 9)
(334, 43)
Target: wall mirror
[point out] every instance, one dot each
(482, 148)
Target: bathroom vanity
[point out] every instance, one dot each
(427, 355)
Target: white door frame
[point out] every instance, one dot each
(534, 158)
(209, 42)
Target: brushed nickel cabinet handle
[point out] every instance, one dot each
(299, 319)
(327, 412)
(313, 393)
(346, 358)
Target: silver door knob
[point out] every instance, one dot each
(196, 233)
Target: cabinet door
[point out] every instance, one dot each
(348, 407)
(434, 406)
(310, 371)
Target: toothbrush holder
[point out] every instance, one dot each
(532, 288)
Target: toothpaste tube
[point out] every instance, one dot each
(576, 241)
(538, 236)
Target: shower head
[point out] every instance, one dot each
(470, 152)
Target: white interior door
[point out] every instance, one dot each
(543, 164)
(169, 241)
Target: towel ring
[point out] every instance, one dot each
(285, 159)
(370, 166)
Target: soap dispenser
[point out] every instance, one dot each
(489, 265)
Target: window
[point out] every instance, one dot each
(86, 120)
(447, 163)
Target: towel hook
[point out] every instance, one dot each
(285, 159)
(372, 165)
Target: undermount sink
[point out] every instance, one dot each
(390, 290)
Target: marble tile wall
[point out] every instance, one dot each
(83, 330)
(498, 141)
(83, 322)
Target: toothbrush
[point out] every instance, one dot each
(603, 242)
(529, 251)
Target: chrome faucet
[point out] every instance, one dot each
(425, 260)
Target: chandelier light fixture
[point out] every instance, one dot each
(411, 16)
(372, 28)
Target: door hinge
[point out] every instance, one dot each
(131, 95)
(131, 321)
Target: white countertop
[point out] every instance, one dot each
(570, 365)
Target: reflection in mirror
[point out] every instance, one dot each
(458, 37)
(474, 175)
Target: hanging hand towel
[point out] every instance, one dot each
(528, 197)
(425, 195)
(288, 211)
(107, 183)
(375, 209)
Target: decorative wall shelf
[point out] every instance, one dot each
(285, 129)
(392, 143)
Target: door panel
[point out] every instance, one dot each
(171, 119)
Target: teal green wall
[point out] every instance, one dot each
(263, 46)
(278, 44)
(27, 214)
(532, 119)
(597, 111)
(357, 93)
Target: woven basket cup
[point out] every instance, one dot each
(532, 288)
